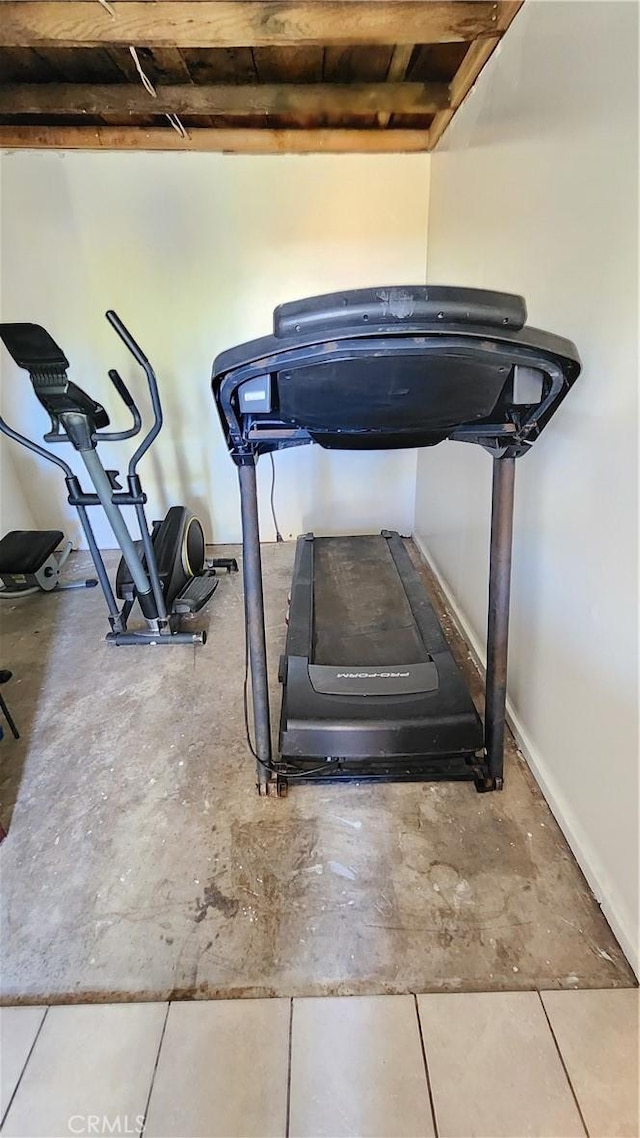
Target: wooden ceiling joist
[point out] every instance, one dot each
(241, 76)
(189, 99)
(475, 59)
(400, 60)
(227, 140)
(244, 23)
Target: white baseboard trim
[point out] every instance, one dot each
(580, 846)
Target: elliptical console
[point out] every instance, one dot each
(166, 569)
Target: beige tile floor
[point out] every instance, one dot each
(558, 1064)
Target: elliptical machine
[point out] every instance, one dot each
(166, 569)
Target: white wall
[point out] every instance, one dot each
(194, 251)
(534, 190)
(14, 511)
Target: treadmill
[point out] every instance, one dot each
(370, 688)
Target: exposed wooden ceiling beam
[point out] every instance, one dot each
(507, 9)
(169, 61)
(400, 61)
(470, 68)
(283, 99)
(467, 73)
(229, 141)
(243, 23)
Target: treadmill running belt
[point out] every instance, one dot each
(361, 612)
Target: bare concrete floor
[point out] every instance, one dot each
(140, 862)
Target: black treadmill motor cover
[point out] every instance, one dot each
(394, 367)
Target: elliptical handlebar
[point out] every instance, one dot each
(5, 429)
(122, 389)
(141, 359)
(128, 400)
(127, 338)
(55, 435)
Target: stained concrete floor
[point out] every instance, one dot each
(140, 862)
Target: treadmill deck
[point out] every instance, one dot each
(360, 614)
(371, 689)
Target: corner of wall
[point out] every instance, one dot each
(15, 512)
(578, 841)
(426, 236)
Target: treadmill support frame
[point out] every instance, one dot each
(254, 621)
(497, 628)
(498, 619)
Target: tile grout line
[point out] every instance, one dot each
(288, 1110)
(155, 1068)
(24, 1067)
(564, 1065)
(426, 1067)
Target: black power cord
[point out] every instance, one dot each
(245, 700)
(279, 536)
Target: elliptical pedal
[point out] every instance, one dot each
(125, 588)
(195, 594)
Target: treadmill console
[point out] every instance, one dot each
(384, 368)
